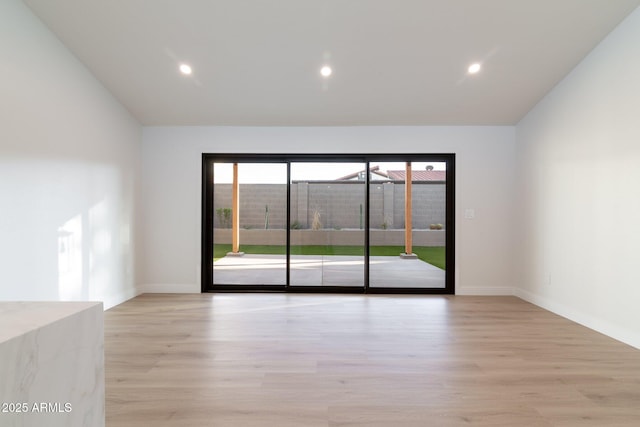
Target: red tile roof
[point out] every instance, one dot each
(419, 175)
(398, 175)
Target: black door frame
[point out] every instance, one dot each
(208, 159)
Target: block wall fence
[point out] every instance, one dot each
(338, 204)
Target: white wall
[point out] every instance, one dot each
(579, 184)
(69, 160)
(171, 194)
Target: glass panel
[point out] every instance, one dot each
(259, 255)
(415, 259)
(327, 224)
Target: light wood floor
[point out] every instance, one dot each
(351, 360)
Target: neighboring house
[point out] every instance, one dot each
(397, 175)
(376, 174)
(418, 175)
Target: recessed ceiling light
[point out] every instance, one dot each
(185, 69)
(474, 68)
(326, 71)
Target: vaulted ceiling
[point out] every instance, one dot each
(394, 62)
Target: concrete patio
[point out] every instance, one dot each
(327, 270)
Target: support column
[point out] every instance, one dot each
(235, 214)
(408, 226)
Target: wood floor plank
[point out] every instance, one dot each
(269, 359)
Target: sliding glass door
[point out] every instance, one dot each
(249, 225)
(408, 225)
(358, 223)
(327, 224)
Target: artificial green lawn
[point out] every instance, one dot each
(434, 255)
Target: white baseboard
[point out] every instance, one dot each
(625, 335)
(496, 291)
(112, 301)
(164, 288)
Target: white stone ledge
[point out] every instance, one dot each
(52, 364)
